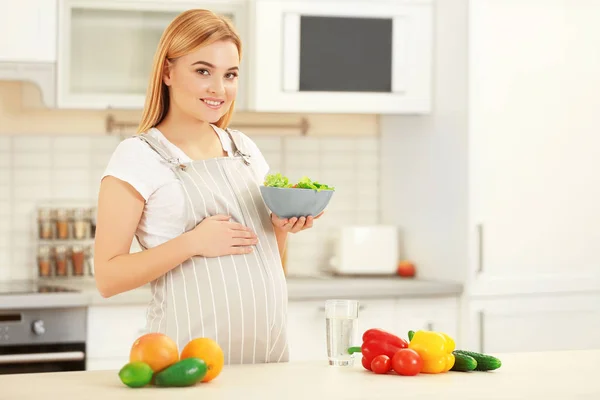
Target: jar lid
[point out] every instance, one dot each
(62, 213)
(44, 251)
(77, 248)
(45, 213)
(61, 249)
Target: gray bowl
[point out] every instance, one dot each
(293, 202)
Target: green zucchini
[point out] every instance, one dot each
(485, 362)
(463, 362)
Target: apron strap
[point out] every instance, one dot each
(161, 150)
(239, 149)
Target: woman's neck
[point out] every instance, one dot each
(185, 130)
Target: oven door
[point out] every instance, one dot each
(37, 358)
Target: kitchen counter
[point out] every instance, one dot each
(531, 376)
(298, 289)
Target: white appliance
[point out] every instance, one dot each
(365, 250)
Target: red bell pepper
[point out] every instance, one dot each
(377, 342)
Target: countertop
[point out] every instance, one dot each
(531, 376)
(299, 288)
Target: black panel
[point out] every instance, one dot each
(345, 54)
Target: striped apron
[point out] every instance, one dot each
(240, 301)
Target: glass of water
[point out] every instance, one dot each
(341, 325)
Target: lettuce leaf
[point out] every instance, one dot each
(278, 180)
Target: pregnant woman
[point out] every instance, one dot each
(187, 188)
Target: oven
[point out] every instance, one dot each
(42, 340)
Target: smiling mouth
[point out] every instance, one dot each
(214, 104)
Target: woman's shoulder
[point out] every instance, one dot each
(135, 162)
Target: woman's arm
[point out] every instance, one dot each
(120, 208)
(281, 237)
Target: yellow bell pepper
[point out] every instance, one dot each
(435, 348)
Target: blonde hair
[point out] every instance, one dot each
(186, 33)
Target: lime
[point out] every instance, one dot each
(136, 374)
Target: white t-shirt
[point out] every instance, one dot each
(163, 218)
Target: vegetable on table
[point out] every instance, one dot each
(381, 364)
(407, 362)
(463, 362)
(435, 348)
(186, 372)
(484, 362)
(378, 342)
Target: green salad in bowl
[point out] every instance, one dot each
(301, 199)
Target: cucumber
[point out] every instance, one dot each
(186, 372)
(485, 362)
(463, 362)
(136, 374)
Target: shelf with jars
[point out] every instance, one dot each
(65, 235)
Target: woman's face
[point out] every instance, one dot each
(203, 84)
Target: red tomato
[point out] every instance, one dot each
(365, 363)
(381, 364)
(407, 362)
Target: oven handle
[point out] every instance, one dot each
(42, 357)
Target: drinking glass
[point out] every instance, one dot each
(341, 325)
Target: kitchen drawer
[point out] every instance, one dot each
(535, 323)
(435, 314)
(112, 330)
(102, 364)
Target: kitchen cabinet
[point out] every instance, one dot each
(106, 49)
(112, 330)
(28, 51)
(333, 56)
(306, 321)
(28, 31)
(532, 151)
(534, 323)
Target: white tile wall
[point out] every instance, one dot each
(36, 169)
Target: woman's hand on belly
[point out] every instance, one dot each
(216, 236)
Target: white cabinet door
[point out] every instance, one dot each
(112, 330)
(540, 323)
(433, 314)
(378, 314)
(28, 30)
(306, 330)
(106, 48)
(534, 163)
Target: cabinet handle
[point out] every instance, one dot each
(479, 248)
(481, 331)
(430, 326)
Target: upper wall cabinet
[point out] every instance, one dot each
(28, 44)
(106, 48)
(334, 56)
(28, 31)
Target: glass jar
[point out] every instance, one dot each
(45, 224)
(93, 222)
(80, 223)
(78, 260)
(62, 223)
(61, 260)
(44, 262)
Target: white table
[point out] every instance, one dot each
(554, 375)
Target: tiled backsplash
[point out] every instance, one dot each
(37, 169)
